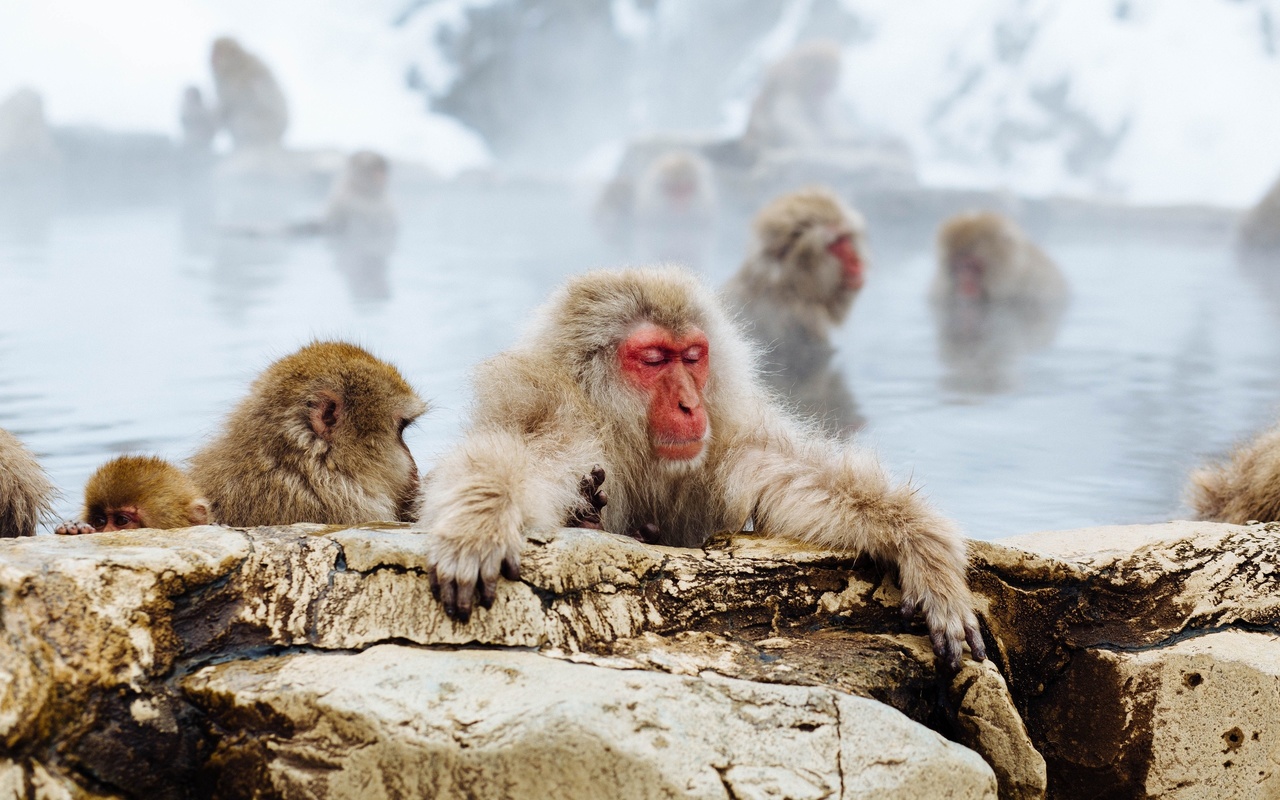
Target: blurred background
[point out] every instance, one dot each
(170, 223)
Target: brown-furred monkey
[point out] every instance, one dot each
(138, 492)
(1245, 487)
(796, 287)
(640, 372)
(320, 438)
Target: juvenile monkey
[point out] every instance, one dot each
(25, 491)
(318, 439)
(138, 492)
(996, 296)
(641, 373)
(1246, 487)
(797, 285)
(251, 104)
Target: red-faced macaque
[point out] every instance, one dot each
(26, 494)
(806, 267)
(251, 104)
(996, 296)
(138, 492)
(641, 373)
(792, 107)
(320, 438)
(199, 122)
(1246, 487)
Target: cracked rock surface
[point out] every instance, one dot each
(505, 723)
(308, 661)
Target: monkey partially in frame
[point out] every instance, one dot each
(130, 492)
(641, 372)
(26, 495)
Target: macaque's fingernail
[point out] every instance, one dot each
(510, 571)
(488, 593)
(976, 645)
(939, 642)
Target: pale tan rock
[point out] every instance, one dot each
(401, 722)
(991, 723)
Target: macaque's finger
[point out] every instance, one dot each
(434, 580)
(489, 582)
(600, 500)
(597, 476)
(511, 568)
(976, 645)
(466, 597)
(448, 597)
(909, 609)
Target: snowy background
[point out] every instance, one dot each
(1154, 101)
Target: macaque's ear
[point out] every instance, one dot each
(198, 511)
(327, 412)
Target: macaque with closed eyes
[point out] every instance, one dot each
(641, 372)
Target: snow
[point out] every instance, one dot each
(1153, 101)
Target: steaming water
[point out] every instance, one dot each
(134, 330)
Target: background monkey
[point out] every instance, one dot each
(807, 267)
(996, 296)
(641, 372)
(251, 105)
(138, 492)
(791, 109)
(320, 438)
(1246, 487)
(26, 494)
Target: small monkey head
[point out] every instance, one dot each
(226, 54)
(813, 248)
(976, 253)
(812, 70)
(132, 492)
(366, 174)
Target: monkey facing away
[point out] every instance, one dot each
(25, 491)
(996, 296)
(1246, 487)
(318, 439)
(640, 372)
(251, 105)
(796, 287)
(792, 107)
(138, 492)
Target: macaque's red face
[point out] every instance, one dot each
(966, 276)
(844, 250)
(672, 372)
(123, 518)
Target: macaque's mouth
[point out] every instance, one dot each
(679, 451)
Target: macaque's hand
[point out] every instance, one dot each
(463, 565)
(951, 623)
(70, 528)
(589, 516)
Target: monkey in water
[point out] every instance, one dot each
(792, 108)
(319, 438)
(996, 296)
(138, 492)
(1246, 487)
(796, 287)
(26, 495)
(642, 373)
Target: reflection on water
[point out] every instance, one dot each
(121, 332)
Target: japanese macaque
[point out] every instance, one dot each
(996, 296)
(26, 142)
(199, 122)
(805, 270)
(138, 492)
(251, 104)
(1260, 229)
(640, 372)
(358, 205)
(320, 438)
(675, 209)
(26, 494)
(792, 107)
(1246, 487)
